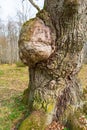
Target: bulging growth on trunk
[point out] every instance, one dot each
(52, 46)
(35, 42)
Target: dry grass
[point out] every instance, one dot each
(13, 81)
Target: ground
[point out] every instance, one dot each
(13, 81)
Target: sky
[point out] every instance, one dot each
(8, 8)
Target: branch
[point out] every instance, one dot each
(36, 6)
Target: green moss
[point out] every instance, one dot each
(26, 31)
(50, 107)
(29, 22)
(41, 103)
(35, 121)
(45, 16)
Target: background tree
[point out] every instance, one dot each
(3, 45)
(9, 35)
(23, 14)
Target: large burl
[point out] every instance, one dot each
(52, 46)
(35, 42)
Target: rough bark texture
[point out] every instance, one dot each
(52, 46)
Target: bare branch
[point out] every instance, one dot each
(36, 6)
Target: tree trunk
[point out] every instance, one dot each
(52, 46)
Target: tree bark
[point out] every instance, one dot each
(61, 28)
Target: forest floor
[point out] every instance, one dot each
(13, 81)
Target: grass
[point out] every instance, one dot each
(13, 81)
(1, 72)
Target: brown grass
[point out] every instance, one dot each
(13, 81)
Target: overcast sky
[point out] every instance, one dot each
(8, 8)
